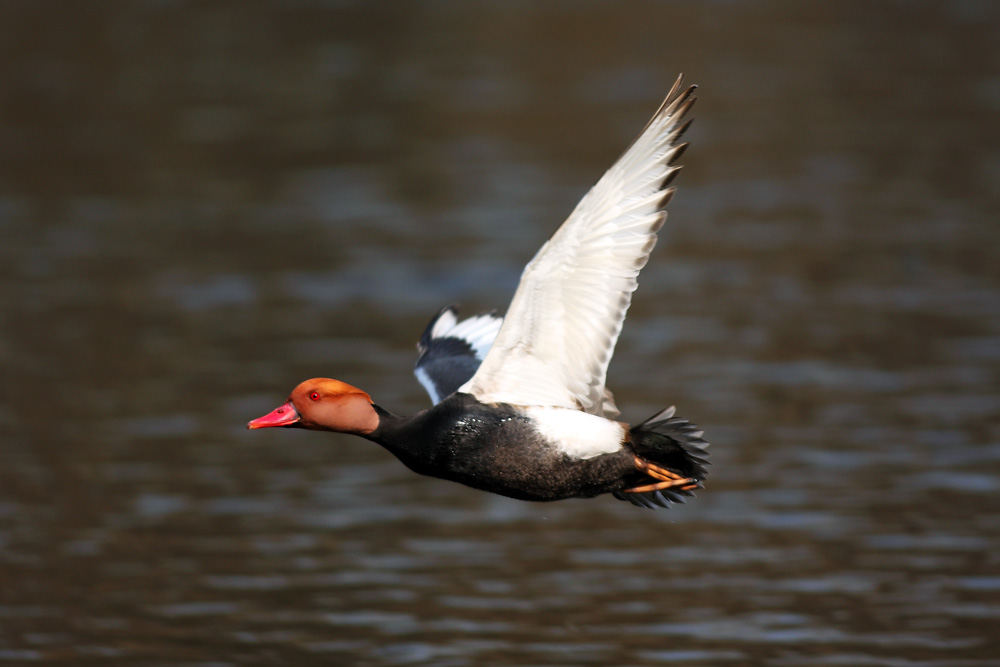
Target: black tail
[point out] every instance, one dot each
(673, 443)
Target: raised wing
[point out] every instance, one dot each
(451, 351)
(562, 325)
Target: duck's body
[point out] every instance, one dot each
(502, 449)
(521, 408)
(534, 453)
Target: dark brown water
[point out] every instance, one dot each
(202, 204)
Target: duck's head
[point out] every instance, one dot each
(324, 404)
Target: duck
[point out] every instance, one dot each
(519, 402)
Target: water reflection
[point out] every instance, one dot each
(201, 206)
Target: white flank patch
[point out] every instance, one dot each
(577, 434)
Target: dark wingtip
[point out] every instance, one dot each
(677, 152)
(676, 104)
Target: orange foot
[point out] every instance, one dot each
(668, 479)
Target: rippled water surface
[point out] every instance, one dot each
(202, 204)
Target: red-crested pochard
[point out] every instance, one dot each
(520, 404)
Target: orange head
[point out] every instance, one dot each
(323, 404)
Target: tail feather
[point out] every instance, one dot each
(673, 443)
(653, 499)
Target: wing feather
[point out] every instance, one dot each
(451, 350)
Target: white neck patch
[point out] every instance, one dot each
(575, 433)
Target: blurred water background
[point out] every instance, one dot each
(203, 203)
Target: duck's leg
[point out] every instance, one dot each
(688, 485)
(668, 479)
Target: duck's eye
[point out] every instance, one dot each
(314, 396)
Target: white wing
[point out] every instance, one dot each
(562, 325)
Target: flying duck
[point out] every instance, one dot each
(520, 406)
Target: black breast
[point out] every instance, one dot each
(496, 448)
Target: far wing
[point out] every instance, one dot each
(451, 351)
(562, 325)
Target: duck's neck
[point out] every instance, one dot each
(403, 436)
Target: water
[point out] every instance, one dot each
(201, 206)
